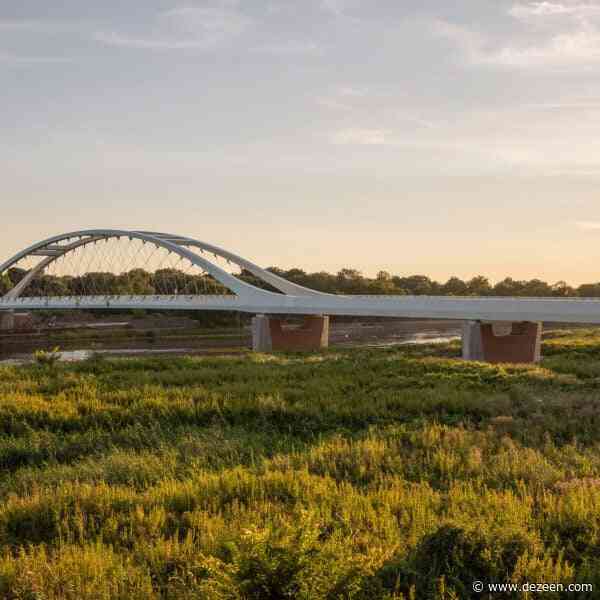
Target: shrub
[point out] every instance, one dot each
(47, 358)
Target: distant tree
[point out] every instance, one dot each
(322, 282)
(536, 288)
(350, 281)
(5, 284)
(479, 286)
(295, 274)
(589, 290)
(46, 285)
(140, 282)
(349, 275)
(455, 287)
(562, 290)
(417, 285)
(508, 287)
(346, 281)
(165, 282)
(102, 283)
(15, 274)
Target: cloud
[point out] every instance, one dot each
(332, 103)
(577, 104)
(370, 113)
(190, 27)
(569, 49)
(344, 98)
(334, 7)
(469, 42)
(572, 48)
(149, 43)
(519, 139)
(543, 10)
(213, 22)
(361, 137)
(354, 92)
(290, 48)
(588, 225)
(538, 9)
(341, 10)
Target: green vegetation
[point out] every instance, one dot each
(47, 358)
(396, 473)
(346, 281)
(351, 281)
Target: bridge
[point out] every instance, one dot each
(125, 269)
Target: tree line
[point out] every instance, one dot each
(346, 281)
(352, 281)
(134, 282)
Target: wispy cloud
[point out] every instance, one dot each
(213, 22)
(341, 10)
(523, 139)
(392, 108)
(361, 137)
(578, 104)
(200, 27)
(149, 43)
(343, 98)
(333, 103)
(470, 43)
(530, 11)
(565, 49)
(354, 92)
(334, 7)
(290, 48)
(588, 225)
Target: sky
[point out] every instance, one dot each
(446, 138)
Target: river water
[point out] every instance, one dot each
(378, 334)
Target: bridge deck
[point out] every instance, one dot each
(565, 310)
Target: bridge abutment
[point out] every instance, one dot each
(269, 333)
(517, 342)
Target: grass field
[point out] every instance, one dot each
(388, 473)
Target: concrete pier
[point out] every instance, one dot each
(270, 333)
(261, 334)
(499, 342)
(471, 341)
(7, 320)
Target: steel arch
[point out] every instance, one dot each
(279, 283)
(50, 252)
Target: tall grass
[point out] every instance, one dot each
(400, 473)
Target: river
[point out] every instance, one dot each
(127, 338)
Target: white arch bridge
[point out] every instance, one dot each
(124, 269)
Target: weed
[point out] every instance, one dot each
(400, 473)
